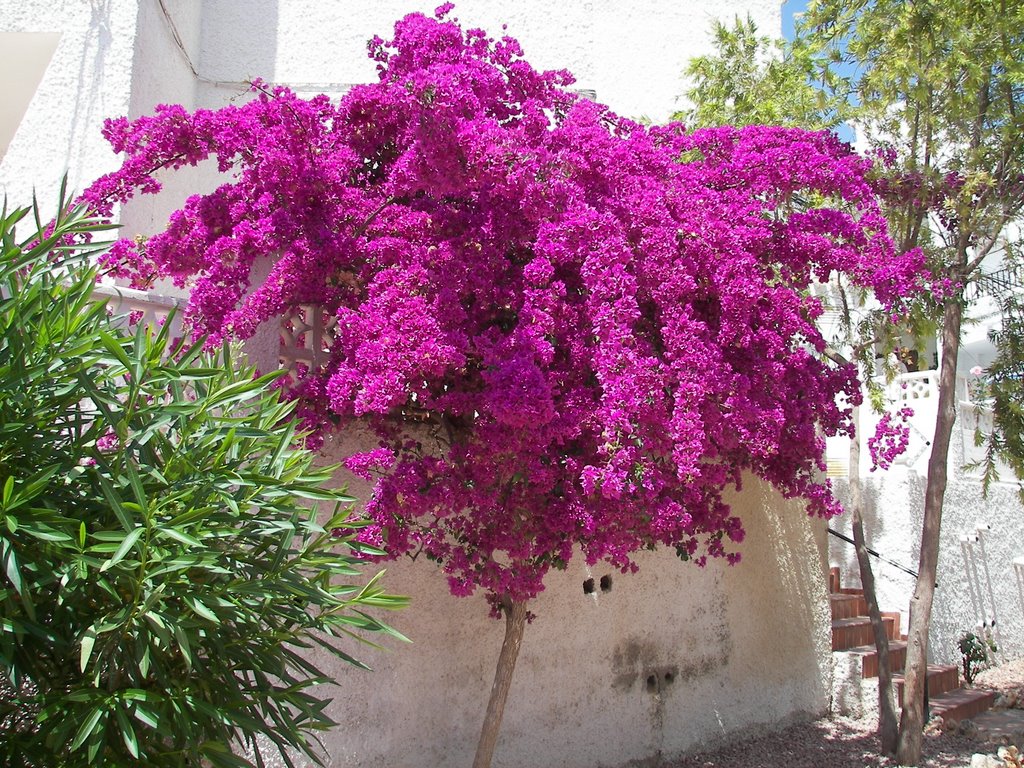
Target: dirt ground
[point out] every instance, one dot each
(845, 743)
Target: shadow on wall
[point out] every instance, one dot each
(779, 614)
(979, 583)
(87, 107)
(1018, 572)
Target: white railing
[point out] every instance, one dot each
(146, 307)
(919, 385)
(305, 336)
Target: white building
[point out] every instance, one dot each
(981, 562)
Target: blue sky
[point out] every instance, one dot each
(789, 9)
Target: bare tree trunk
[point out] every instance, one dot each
(912, 722)
(515, 622)
(888, 730)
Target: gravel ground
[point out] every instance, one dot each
(845, 743)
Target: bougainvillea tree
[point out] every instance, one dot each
(570, 332)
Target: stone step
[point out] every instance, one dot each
(869, 657)
(942, 678)
(856, 631)
(833, 579)
(848, 606)
(961, 704)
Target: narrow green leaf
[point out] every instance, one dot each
(8, 490)
(87, 727)
(87, 643)
(131, 742)
(129, 541)
(11, 569)
(201, 609)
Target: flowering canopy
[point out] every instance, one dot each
(598, 326)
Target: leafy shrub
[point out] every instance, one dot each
(163, 567)
(975, 653)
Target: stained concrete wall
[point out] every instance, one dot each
(670, 658)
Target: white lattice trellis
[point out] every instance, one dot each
(144, 307)
(921, 385)
(307, 336)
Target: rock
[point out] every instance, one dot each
(968, 729)
(985, 761)
(1006, 700)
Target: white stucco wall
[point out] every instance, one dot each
(631, 54)
(119, 57)
(670, 658)
(977, 581)
(88, 79)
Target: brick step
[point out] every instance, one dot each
(856, 631)
(848, 606)
(942, 678)
(961, 704)
(869, 657)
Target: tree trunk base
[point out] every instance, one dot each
(515, 623)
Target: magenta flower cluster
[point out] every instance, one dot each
(571, 332)
(892, 435)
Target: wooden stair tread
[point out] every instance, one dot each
(865, 650)
(961, 704)
(933, 669)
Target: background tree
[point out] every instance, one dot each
(1005, 388)
(161, 573)
(940, 83)
(751, 79)
(570, 333)
(938, 86)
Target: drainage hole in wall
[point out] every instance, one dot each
(606, 583)
(588, 587)
(652, 683)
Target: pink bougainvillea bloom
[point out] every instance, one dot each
(571, 333)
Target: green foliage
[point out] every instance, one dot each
(754, 80)
(165, 568)
(975, 653)
(1005, 378)
(941, 82)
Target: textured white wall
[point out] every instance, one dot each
(670, 658)
(977, 581)
(88, 79)
(632, 54)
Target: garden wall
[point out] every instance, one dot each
(651, 665)
(641, 669)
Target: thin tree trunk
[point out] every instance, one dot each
(912, 722)
(515, 622)
(888, 729)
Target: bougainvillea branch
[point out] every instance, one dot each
(606, 324)
(891, 438)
